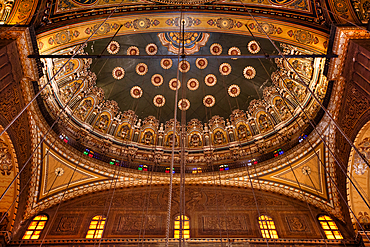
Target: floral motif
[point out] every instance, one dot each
(234, 51)
(159, 100)
(166, 63)
(225, 23)
(118, 73)
(141, 69)
(193, 84)
(225, 69)
(201, 63)
(249, 72)
(253, 47)
(304, 37)
(188, 22)
(184, 104)
(113, 47)
(192, 41)
(264, 27)
(210, 80)
(234, 90)
(184, 66)
(136, 92)
(174, 83)
(157, 80)
(133, 51)
(151, 49)
(216, 49)
(209, 101)
(142, 23)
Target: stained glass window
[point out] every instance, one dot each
(35, 228)
(96, 227)
(330, 228)
(267, 227)
(185, 227)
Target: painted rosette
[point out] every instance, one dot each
(215, 49)
(193, 84)
(225, 69)
(249, 72)
(118, 73)
(174, 83)
(159, 100)
(253, 47)
(113, 47)
(141, 69)
(166, 63)
(209, 101)
(234, 51)
(133, 51)
(201, 63)
(234, 90)
(136, 92)
(151, 49)
(210, 80)
(184, 104)
(157, 80)
(184, 66)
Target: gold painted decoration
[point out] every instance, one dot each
(187, 43)
(159, 100)
(249, 72)
(118, 73)
(184, 104)
(193, 84)
(151, 49)
(209, 100)
(201, 63)
(210, 80)
(234, 51)
(136, 92)
(133, 51)
(225, 69)
(113, 47)
(234, 90)
(174, 83)
(141, 69)
(253, 47)
(215, 49)
(157, 80)
(166, 63)
(184, 66)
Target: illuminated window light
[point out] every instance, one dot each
(35, 228)
(301, 138)
(224, 167)
(330, 228)
(267, 227)
(168, 170)
(96, 227)
(185, 227)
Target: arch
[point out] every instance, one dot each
(35, 227)
(329, 227)
(185, 226)
(96, 227)
(267, 227)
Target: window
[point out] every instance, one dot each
(34, 229)
(185, 227)
(330, 228)
(267, 227)
(96, 227)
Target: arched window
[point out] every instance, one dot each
(267, 227)
(329, 227)
(34, 229)
(185, 227)
(96, 227)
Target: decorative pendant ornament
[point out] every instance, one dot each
(234, 90)
(136, 92)
(159, 100)
(118, 73)
(184, 66)
(157, 80)
(141, 69)
(151, 49)
(193, 84)
(209, 101)
(184, 104)
(113, 47)
(166, 63)
(210, 80)
(234, 51)
(225, 69)
(59, 171)
(253, 47)
(201, 63)
(174, 83)
(216, 49)
(249, 72)
(133, 51)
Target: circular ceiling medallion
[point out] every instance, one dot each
(113, 47)
(174, 83)
(201, 63)
(166, 63)
(234, 51)
(184, 104)
(216, 49)
(118, 73)
(249, 72)
(141, 69)
(253, 47)
(159, 100)
(193, 84)
(209, 100)
(136, 92)
(133, 51)
(184, 66)
(157, 80)
(225, 69)
(210, 80)
(59, 171)
(234, 90)
(151, 49)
